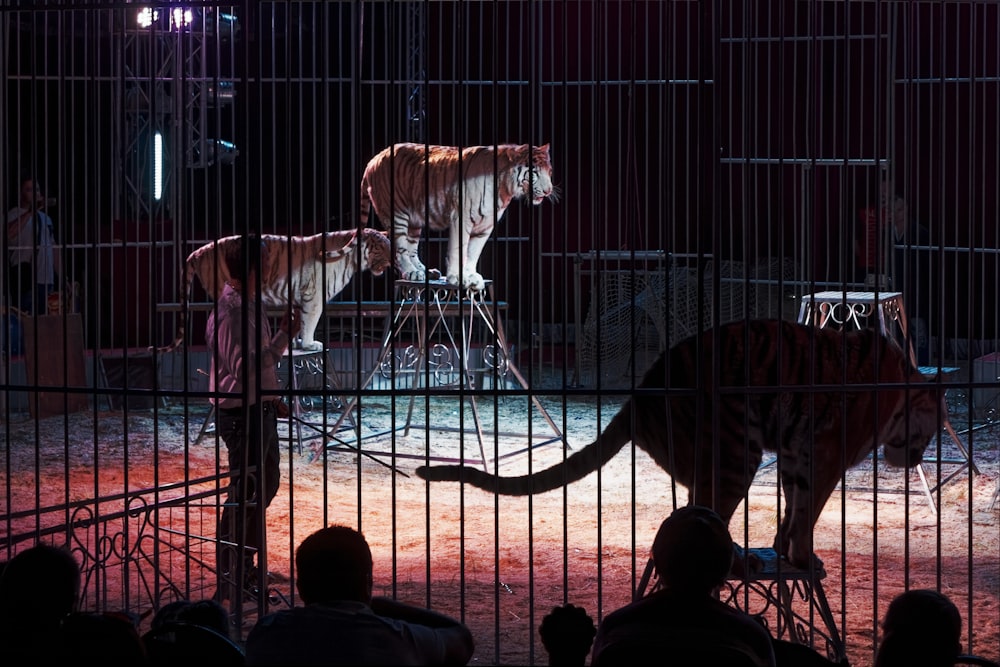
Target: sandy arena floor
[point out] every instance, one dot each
(503, 563)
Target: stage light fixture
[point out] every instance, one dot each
(178, 18)
(157, 166)
(206, 153)
(181, 18)
(223, 24)
(220, 93)
(225, 151)
(147, 16)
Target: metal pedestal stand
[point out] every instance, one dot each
(428, 307)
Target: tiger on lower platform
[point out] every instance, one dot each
(822, 399)
(292, 268)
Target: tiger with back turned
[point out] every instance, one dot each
(464, 191)
(814, 419)
(306, 271)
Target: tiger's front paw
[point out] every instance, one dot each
(470, 281)
(809, 562)
(416, 275)
(422, 274)
(311, 345)
(409, 265)
(800, 554)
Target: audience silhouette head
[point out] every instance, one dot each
(41, 583)
(919, 610)
(341, 623)
(334, 563)
(682, 620)
(921, 626)
(39, 591)
(567, 633)
(693, 550)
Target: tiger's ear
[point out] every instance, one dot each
(368, 232)
(338, 245)
(335, 255)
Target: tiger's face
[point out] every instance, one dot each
(914, 426)
(378, 250)
(536, 179)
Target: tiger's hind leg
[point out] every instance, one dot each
(723, 489)
(806, 493)
(734, 476)
(742, 476)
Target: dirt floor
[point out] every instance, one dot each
(499, 563)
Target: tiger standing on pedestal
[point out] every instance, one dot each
(293, 269)
(816, 422)
(462, 191)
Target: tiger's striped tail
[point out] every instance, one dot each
(577, 466)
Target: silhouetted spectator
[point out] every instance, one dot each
(341, 624)
(107, 639)
(39, 588)
(921, 627)
(33, 262)
(683, 622)
(42, 580)
(567, 634)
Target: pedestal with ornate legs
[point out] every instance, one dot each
(309, 369)
(298, 375)
(443, 319)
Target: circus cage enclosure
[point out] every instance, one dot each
(716, 162)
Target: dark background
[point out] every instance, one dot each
(730, 130)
